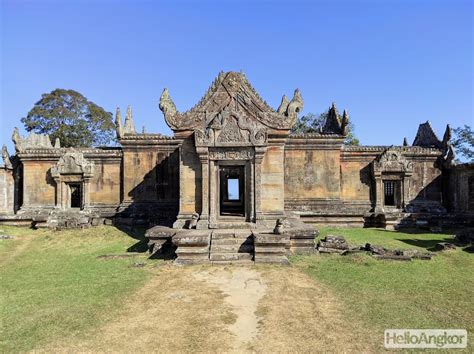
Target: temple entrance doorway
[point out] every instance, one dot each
(232, 191)
(76, 194)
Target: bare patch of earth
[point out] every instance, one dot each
(226, 309)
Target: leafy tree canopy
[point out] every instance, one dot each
(69, 116)
(311, 123)
(463, 142)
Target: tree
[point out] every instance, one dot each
(311, 123)
(463, 142)
(69, 116)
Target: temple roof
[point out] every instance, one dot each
(426, 137)
(231, 91)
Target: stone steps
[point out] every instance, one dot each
(231, 246)
(235, 248)
(231, 256)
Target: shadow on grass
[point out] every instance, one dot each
(428, 244)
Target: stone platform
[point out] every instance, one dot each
(236, 246)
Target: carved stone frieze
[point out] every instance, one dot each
(232, 154)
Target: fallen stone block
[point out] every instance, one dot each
(392, 257)
(118, 255)
(444, 246)
(330, 250)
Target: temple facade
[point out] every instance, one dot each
(233, 162)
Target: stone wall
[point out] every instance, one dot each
(460, 183)
(272, 179)
(39, 188)
(324, 179)
(6, 191)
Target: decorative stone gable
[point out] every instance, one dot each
(72, 163)
(231, 92)
(392, 160)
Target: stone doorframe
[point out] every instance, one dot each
(211, 159)
(72, 167)
(391, 165)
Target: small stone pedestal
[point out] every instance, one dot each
(158, 236)
(192, 246)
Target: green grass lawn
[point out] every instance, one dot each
(438, 293)
(52, 285)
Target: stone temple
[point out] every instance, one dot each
(230, 174)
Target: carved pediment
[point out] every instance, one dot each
(231, 92)
(392, 160)
(230, 128)
(73, 163)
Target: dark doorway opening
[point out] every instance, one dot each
(389, 193)
(232, 196)
(76, 194)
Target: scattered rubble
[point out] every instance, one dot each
(333, 244)
(6, 237)
(444, 246)
(337, 244)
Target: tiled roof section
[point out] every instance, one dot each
(426, 137)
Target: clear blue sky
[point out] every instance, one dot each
(392, 64)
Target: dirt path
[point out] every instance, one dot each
(225, 309)
(244, 289)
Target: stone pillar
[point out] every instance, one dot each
(213, 193)
(378, 193)
(86, 194)
(203, 222)
(259, 153)
(251, 184)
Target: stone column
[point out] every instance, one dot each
(259, 153)
(378, 193)
(203, 222)
(86, 194)
(212, 193)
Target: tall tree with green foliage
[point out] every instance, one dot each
(69, 116)
(311, 123)
(463, 142)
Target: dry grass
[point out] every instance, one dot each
(184, 309)
(300, 315)
(173, 312)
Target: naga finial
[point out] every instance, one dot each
(282, 109)
(168, 108)
(296, 104)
